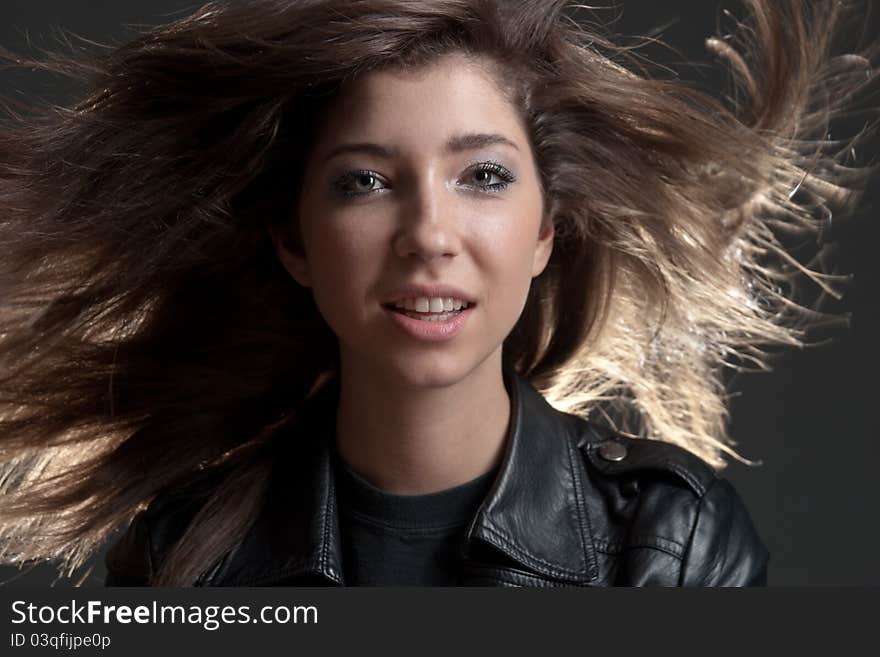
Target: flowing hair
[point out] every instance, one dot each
(150, 338)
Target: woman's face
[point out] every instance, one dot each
(420, 178)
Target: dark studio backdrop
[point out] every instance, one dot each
(811, 421)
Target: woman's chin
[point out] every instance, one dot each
(427, 375)
(416, 371)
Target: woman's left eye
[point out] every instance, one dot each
(363, 182)
(483, 174)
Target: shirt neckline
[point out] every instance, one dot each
(448, 507)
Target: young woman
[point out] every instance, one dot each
(385, 292)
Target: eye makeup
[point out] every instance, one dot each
(345, 185)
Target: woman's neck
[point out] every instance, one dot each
(410, 441)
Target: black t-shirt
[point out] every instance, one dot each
(403, 540)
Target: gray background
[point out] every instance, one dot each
(811, 421)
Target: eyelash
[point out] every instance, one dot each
(490, 167)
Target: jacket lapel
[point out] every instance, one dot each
(534, 513)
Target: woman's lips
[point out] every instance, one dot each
(429, 331)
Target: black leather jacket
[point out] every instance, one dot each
(573, 504)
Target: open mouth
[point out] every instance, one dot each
(441, 316)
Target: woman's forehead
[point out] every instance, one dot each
(452, 95)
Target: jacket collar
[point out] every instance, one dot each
(535, 512)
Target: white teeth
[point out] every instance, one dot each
(431, 318)
(432, 304)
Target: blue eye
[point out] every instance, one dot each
(484, 172)
(362, 182)
(356, 183)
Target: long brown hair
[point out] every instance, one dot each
(149, 336)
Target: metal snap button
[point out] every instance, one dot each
(612, 451)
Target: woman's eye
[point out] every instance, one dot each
(487, 177)
(357, 183)
(485, 173)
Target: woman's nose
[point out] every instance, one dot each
(427, 224)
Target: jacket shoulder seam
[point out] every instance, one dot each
(692, 534)
(644, 454)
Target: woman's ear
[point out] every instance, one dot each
(544, 247)
(293, 258)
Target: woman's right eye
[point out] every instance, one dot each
(357, 183)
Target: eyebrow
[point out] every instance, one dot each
(455, 144)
